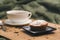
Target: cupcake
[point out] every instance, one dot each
(39, 24)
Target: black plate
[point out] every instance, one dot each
(36, 32)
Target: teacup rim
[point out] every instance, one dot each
(11, 11)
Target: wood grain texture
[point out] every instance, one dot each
(20, 35)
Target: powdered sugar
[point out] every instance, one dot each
(37, 22)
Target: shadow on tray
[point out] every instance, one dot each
(38, 34)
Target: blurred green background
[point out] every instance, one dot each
(48, 10)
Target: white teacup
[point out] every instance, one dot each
(18, 16)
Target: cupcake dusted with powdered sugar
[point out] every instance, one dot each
(39, 24)
(38, 27)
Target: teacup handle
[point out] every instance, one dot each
(29, 15)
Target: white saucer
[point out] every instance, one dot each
(9, 22)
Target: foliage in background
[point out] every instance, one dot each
(41, 9)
